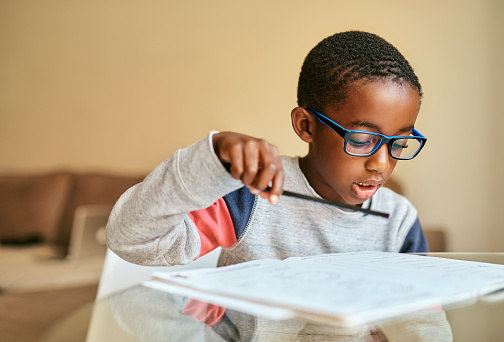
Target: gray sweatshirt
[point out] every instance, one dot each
(190, 204)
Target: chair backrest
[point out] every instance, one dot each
(118, 274)
(89, 222)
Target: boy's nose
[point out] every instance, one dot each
(380, 161)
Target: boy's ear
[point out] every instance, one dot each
(303, 124)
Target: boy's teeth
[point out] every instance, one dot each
(363, 184)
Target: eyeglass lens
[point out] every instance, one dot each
(364, 144)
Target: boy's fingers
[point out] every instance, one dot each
(255, 191)
(267, 163)
(236, 161)
(272, 178)
(266, 175)
(276, 187)
(250, 163)
(254, 161)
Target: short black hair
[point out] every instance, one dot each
(338, 60)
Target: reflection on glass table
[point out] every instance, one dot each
(144, 314)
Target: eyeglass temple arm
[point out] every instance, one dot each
(417, 134)
(328, 122)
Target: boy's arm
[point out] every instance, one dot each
(154, 223)
(149, 224)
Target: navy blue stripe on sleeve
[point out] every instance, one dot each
(240, 203)
(415, 241)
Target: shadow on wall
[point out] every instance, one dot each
(435, 235)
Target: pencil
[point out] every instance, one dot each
(337, 204)
(324, 201)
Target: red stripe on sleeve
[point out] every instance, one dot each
(215, 226)
(205, 313)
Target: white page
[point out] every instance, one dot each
(478, 276)
(352, 288)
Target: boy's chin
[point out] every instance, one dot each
(354, 201)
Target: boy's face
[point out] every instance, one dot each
(384, 107)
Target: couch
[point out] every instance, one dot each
(39, 215)
(41, 207)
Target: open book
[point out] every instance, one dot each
(348, 288)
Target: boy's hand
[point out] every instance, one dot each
(255, 161)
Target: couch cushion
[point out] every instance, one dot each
(31, 206)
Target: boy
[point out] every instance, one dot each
(356, 94)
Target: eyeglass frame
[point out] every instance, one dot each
(384, 139)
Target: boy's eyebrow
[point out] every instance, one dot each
(367, 124)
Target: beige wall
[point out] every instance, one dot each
(116, 85)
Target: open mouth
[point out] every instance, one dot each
(364, 185)
(364, 190)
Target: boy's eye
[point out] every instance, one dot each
(358, 143)
(361, 142)
(400, 144)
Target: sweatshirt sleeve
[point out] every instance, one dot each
(150, 225)
(415, 241)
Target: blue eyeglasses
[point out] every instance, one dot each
(362, 143)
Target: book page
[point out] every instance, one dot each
(477, 276)
(352, 288)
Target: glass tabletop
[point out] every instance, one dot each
(141, 313)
